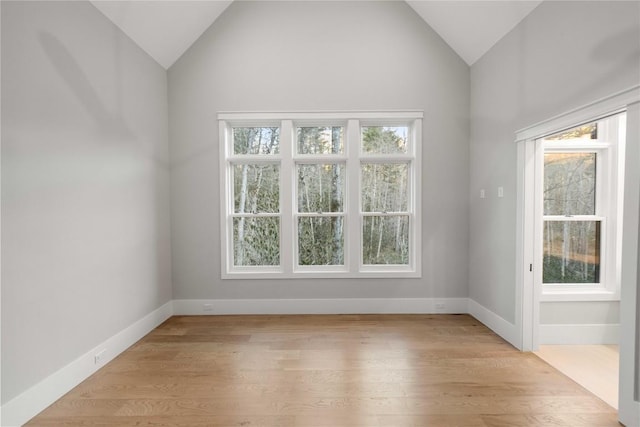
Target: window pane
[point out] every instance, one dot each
(588, 131)
(321, 140)
(258, 140)
(384, 187)
(320, 241)
(256, 241)
(321, 188)
(384, 139)
(385, 240)
(256, 188)
(569, 183)
(571, 252)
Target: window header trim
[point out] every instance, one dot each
(408, 115)
(606, 106)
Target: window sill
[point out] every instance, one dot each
(278, 275)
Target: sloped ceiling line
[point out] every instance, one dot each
(166, 29)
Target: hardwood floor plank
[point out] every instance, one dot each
(431, 420)
(347, 370)
(595, 367)
(552, 420)
(170, 421)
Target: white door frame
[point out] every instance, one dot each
(527, 295)
(629, 385)
(528, 300)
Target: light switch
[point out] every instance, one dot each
(482, 194)
(500, 191)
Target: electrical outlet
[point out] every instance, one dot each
(98, 358)
(440, 306)
(207, 307)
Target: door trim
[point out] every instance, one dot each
(527, 300)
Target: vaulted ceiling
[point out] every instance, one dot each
(166, 29)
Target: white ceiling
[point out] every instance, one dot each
(163, 29)
(471, 28)
(166, 29)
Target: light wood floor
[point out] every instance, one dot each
(373, 370)
(595, 367)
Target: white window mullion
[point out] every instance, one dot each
(415, 202)
(287, 195)
(226, 220)
(617, 176)
(353, 222)
(569, 218)
(608, 183)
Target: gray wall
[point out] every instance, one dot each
(563, 55)
(586, 312)
(85, 181)
(275, 56)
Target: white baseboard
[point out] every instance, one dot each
(579, 334)
(322, 306)
(497, 324)
(22, 408)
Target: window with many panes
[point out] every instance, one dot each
(317, 194)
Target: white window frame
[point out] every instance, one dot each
(352, 158)
(608, 148)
